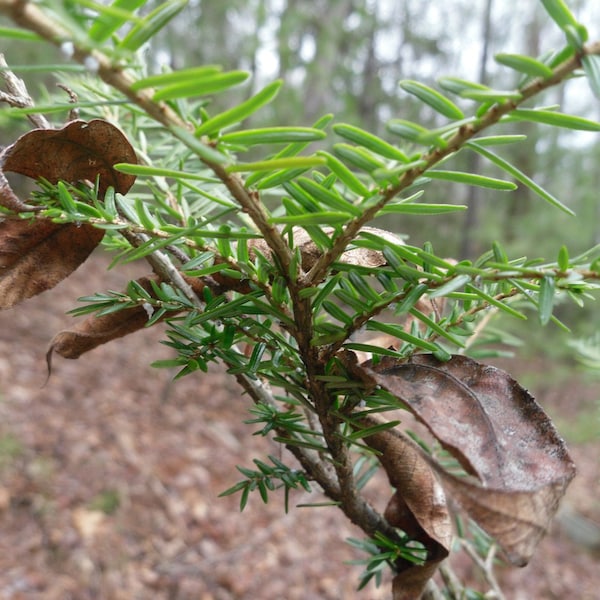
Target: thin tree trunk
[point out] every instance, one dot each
(467, 249)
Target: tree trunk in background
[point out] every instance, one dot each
(331, 53)
(524, 154)
(467, 248)
(369, 95)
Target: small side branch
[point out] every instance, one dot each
(17, 94)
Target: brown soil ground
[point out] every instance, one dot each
(108, 432)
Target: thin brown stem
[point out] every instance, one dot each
(17, 94)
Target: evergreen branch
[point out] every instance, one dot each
(465, 133)
(358, 510)
(30, 16)
(332, 467)
(163, 267)
(495, 276)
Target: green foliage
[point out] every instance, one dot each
(145, 29)
(383, 554)
(588, 351)
(524, 64)
(268, 478)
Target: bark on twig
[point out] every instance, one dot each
(17, 94)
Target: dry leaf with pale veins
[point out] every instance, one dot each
(36, 255)
(499, 434)
(80, 150)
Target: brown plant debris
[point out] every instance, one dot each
(35, 255)
(517, 468)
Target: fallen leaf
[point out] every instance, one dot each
(5, 497)
(88, 522)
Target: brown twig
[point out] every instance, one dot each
(17, 94)
(486, 565)
(434, 156)
(74, 112)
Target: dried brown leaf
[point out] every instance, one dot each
(79, 151)
(310, 252)
(498, 433)
(418, 507)
(96, 330)
(36, 255)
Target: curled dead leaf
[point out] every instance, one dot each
(310, 252)
(97, 330)
(498, 433)
(418, 507)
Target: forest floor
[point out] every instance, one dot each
(110, 475)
